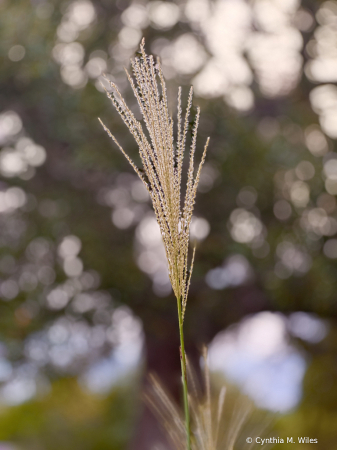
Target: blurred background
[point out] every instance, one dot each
(86, 306)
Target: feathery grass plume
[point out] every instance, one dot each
(162, 158)
(213, 426)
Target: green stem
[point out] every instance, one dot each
(184, 375)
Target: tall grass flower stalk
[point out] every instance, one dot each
(162, 158)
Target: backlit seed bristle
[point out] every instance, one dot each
(162, 158)
(218, 418)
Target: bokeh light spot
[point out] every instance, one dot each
(16, 53)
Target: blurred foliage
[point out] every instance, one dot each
(67, 195)
(69, 417)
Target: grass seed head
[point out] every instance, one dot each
(162, 157)
(221, 419)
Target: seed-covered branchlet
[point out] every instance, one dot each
(162, 158)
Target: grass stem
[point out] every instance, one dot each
(184, 376)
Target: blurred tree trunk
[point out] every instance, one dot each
(163, 360)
